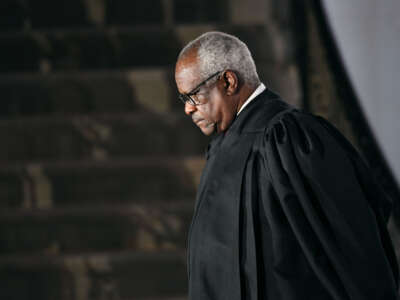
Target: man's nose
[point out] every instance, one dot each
(189, 108)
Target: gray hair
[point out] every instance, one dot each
(218, 51)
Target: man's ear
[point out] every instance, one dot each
(231, 82)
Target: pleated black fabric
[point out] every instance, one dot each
(287, 209)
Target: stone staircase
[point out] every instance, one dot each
(98, 164)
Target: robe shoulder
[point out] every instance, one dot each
(324, 149)
(331, 205)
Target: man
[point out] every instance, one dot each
(286, 208)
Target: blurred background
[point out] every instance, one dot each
(98, 163)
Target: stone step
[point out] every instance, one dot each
(78, 13)
(114, 91)
(121, 47)
(47, 13)
(205, 11)
(89, 92)
(74, 13)
(136, 227)
(87, 49)
(99, 136)
(121, 275)
(13, 15)
(183, 297)
(139, 180)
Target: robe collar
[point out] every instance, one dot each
(252, 117)
(250, 120)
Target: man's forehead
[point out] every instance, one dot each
(189, 57)
(186, 75)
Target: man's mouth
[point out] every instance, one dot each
(197, 120)
(200, 121)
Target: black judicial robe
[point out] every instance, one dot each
(287, 209)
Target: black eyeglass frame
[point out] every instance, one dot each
(186, 97)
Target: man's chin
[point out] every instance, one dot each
(208, 129)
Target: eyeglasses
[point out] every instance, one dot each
(187, 97)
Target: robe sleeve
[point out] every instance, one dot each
(328, 236)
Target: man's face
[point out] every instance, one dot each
(216, 111)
